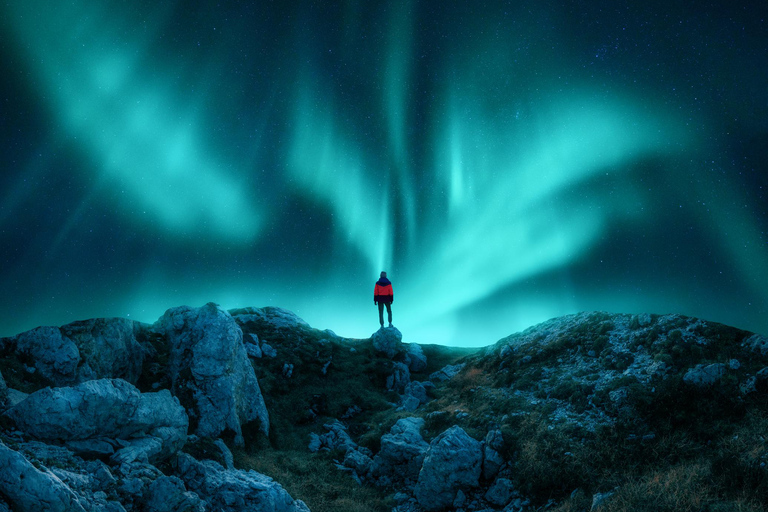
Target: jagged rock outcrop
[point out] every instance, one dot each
(492, 459)
(270, 317)
(210, 371)
(28, 488)
(415, 357)
(168, 494)
(86, 350)
(234, 491)
(452, 463)
(402, 453)
(105, 417)
(388, 341)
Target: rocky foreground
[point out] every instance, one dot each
(252, 409)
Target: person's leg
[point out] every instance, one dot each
(381, 313)
(389, 313)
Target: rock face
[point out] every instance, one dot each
(235, 491)
(388, 341)
(54, 356)
(28, 488)
(453, 463)
(276, 318)
(105, 417)
(415, 358)
(108, 348)
(703, 376)
(210, 370)
(80, 351)
(402, 452)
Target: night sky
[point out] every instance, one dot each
(504, 162)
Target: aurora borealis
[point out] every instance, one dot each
(504, 162)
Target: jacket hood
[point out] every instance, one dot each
(383, 281)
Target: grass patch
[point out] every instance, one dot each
(314, 479)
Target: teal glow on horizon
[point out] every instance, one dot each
(504, 164)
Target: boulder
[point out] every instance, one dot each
(417, 390)
(705, 375)
(446, 373)
(415, 358)
(269, 317)
(358, 461)
(336, 438)
(168, 494)
(501, 492)
(492, 459)
(387, 341)
(233, 491)
(756, 343)
(55, 356)
(452, 463)
(108, 348)
(85, 350)
(400, 378)
(402, 452)
(97, 415)
(27, 488)
(210, 371)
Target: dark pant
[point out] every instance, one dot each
(381, 312)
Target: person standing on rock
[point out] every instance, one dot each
(383, 295)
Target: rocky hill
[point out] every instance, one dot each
(253, 409)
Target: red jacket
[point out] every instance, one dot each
(382, 292)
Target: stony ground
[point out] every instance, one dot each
(592, 411)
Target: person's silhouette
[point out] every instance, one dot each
(383, 296)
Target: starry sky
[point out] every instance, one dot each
(504, 162)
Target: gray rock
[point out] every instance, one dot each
(208, 360)
(234, 491)
(226, 454)
(27, 488)
(734, 364)
(387, 341)
(446, 373)
(417, 390)
(644, 320)
(268, 350)
(400, 377)
(704, 375)
(108, 348)
(168, 494)
(501, 492)
(85, 350)
(415, 358)
(492, 459)
(15, 397)
(358, 461)
(402, 451)
(314, 443)
(336, 438)
(252, 346)
(271, 317)
(756, 343)
(409, 403)
(453, 463)
(54, 356)
(153, 425)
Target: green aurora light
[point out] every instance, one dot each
(504, 165)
